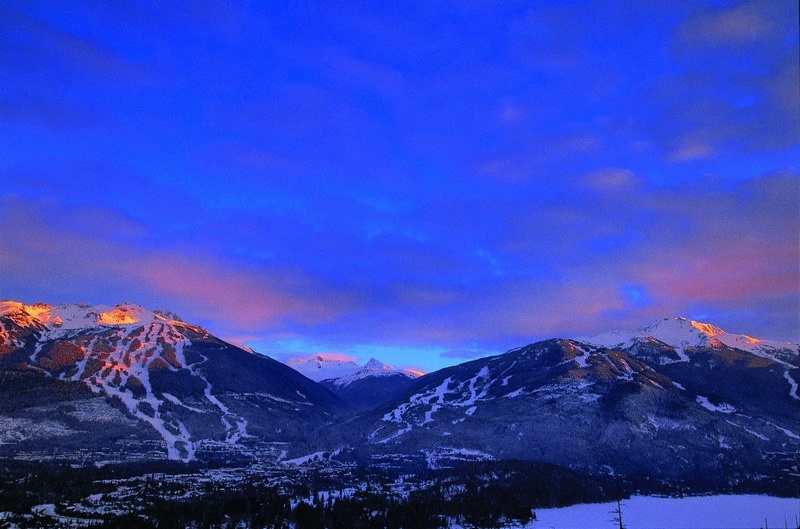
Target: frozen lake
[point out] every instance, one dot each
(706, 512)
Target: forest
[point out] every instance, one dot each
(169, 494)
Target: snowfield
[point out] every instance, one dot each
(707, 512)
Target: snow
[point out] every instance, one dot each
(374, 368)
(343, 369)
(722, 408)
(515, 393)
(751, 432)
(477, 381)
(173, 399)
(68, 317)
(126, 339)
(235, 426)
(429, 413)
(400, 415)
(464, 395)
(792, 384)
(789, 433)
(48, 510)
(683, 334)
(645, 512)
(665, 423)
(582, 357)
(323, 366)
(434, 457)
(316, 456)
(581, 360)
(397, 434)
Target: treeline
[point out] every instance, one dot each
(481, 494)
(24, 484)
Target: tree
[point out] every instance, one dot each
(617, 519)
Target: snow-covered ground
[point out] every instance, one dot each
(706, 512)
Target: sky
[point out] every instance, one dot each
(426, 182)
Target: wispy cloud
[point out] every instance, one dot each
(438, 178)
(44, 238)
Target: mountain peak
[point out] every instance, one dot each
(74, 316)
(376, 365)
(683, 334)
(705, 328)
(320, 366)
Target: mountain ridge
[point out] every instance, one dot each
(673, 399)
(189, 386)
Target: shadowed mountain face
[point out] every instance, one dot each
(371, 385)
(711, 413)
(161, 380)
(678, 401)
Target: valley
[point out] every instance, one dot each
(123, 417)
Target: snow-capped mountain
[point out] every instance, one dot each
(361, 388)
(696, 410)
(371, 385)
(676, 402)
(374, 369)
(685, 335)
(163, 379)
(324, 366)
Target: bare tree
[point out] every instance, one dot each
(617, 519)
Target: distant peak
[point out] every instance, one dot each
(319, 366)
(376, 365)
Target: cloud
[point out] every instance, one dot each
(101, 248)
(742, 24)
(57, 49)
(733, 86)
(609, 178)
(702, 244)
(449, 176)
(687, 150)
(228, 294)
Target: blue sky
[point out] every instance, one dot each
(429, 181)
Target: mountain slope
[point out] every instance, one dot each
(726, 417)
(682, 335)
(192, 390)
(678, 402)
(372, 385)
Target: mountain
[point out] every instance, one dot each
(323, 366)
(122, 381)
(372, 385)
(679, 401)
(681, 336)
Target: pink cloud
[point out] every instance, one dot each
(690, 151)
(237, 297)
(724, 271)
(99, 246)
(741, 24)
